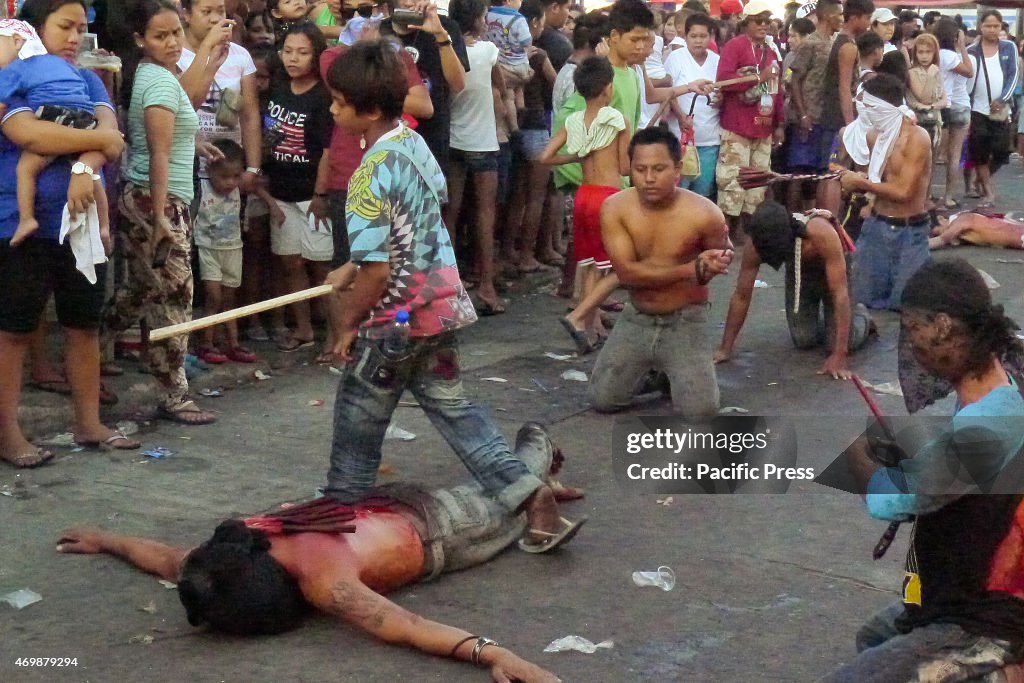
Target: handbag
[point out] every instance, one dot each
(1003, 115)
(690, 166)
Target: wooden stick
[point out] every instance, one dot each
(235, 313)
(718, 84)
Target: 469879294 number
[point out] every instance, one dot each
(46, 661)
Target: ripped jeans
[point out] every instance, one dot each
(368, 395)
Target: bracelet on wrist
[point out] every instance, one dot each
(481, 643)
(464, 640)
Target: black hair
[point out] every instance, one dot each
(989, 13)
(316, 38)
(828, 6)
(772, 231)
(265, 17)
(466, 13)
(695, 6)
(233, 584)
(231, 151)
(700, 19)
(857, 8)
(656, 135)
(888, 88)
(370, 75)
(532, 10)
(802, 27)
(907, 15)
(930, 16)
(956, 288)
(142, 12)
(895, 64)
(627, 15)
(589, 30)
(36, 12)
(592, 76)
(946, 32)
(868, 42)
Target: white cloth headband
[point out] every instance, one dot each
(33, 47)
(886, 120)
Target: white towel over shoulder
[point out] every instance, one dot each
(84, 235)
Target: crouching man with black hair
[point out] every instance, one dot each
(261, 575)
(815, 250)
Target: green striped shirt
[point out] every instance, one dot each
(155, 86)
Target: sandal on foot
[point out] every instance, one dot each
(179, 412)
(53, 386)
(294, 344)
(325, 358)
(486, 309)
(952, 204)
(613, 307)
(549, 541)
(111, 370)
(118, 441)
(240, 354)
(579, 337)
(30, 460)
(211, 355)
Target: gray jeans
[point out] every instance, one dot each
(937, 653)
(677, 344)
(814, 324)
(463, 527)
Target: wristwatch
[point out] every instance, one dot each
(78, 168)
(255, 170)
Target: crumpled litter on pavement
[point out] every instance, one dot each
(21, 598)
(575, 375)
(577, 644)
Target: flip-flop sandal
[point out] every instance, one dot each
(551, 540)
(325, 358)
(111, 370)
(579, 337)
(486, 309)
(240, 354)
(112, 442)
(293, 345)
(952, 204)
(53, 386)
(613, 307)
(211, 355)
(187, 408)
(28, 461)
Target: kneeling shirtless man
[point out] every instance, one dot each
(665, 245)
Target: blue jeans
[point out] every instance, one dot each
(933, 653)
(885, 259)
(367, 396)
(704, 184)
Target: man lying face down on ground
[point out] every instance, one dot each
(261, 575)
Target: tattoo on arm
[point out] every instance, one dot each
(359, 604)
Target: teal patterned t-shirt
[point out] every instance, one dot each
(393, 214)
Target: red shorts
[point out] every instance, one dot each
(586, 225)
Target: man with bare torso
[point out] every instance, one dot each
(260, 575)
(978, 229)
(665, 245)
(817, 282)
(893, 242)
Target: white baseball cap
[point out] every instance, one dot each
(883, 15)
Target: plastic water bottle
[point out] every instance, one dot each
(397, 339)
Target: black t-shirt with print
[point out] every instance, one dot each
(425, 51)
(296, 129)
(954, 550)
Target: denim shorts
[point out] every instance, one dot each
(956, 117)
(475, 162)
(533, 142)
